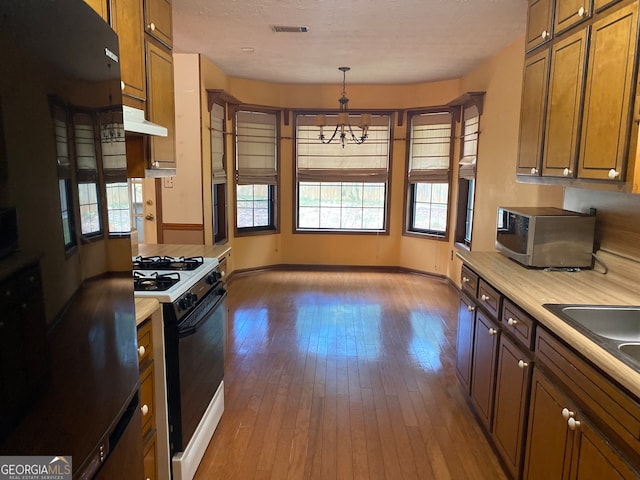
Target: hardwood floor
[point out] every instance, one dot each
(335, 375)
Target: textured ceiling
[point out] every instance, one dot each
(383, 41)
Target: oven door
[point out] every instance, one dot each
(195, 368)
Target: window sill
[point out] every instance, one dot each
(252, 233)
(462, 246)
(340, 232)
(426, 236)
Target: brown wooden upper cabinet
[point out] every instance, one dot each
(160, 103)
(534, 100)
(100, 7)
(539, 23)
(158, 20)
(605, 125)
(569, 13)
(566, 82)
(126, 20)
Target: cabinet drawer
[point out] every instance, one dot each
(150, 472)
(147, 403)
(145, 344)
(609, 406)
(469, 281)
(518, 323)
(489, 298)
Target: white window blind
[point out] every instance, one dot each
(85, 143)
(256, 143)
(114, 151)
(470, 125)
(430, 148)
(217, 144)
(318, 162)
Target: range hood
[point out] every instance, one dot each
(134, 121)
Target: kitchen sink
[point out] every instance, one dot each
(616, 323)
(614, 328)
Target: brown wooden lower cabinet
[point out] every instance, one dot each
(562, 443)
(513, 380)
(485, 352)
(150, 472)
(464, 350)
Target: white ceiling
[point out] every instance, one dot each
(383, 41)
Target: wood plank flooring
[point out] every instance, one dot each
(335, 375)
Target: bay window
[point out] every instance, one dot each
(342, 189)
(467, 173)
(87, 175)
(218, 173)
(63, 162)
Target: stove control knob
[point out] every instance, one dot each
(183, 304)
(213, 277)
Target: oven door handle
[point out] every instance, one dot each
(191, 329)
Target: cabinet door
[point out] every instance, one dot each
(485, 349)
(595, 459)
(548, 438)
(464, 344)
(569, 13)
(126, 20)
(534, 99)
(100, 7)
(160, 104)
(158, 20)
(606, 118)
(564, 105)
(513, 378)
(538, 23)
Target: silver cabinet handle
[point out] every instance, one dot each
(485, 297)
(573, 423)
(512, 321)
(567, 414)
(465, 280)
(492, 331)
(522, 364)
(471, 308)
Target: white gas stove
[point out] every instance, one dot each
(169, 278)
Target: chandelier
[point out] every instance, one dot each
(344, 126)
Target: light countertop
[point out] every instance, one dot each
(208, 251)
(531, 288)
(145, 307)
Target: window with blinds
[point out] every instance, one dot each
(342, 189)
(114, 165)
(63, 162)
(218, 173)
(429, 172)
(467, 173)
(256, 170)
(87, 174)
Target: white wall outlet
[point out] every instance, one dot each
(168, 182)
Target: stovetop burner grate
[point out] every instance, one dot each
(167, 263)
(154, 281)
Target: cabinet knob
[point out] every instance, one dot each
(144, 409)
(141, 350)
(613, 174)
(544, 34)
(152, 27)
(471, 308)
(485, 297)
(122, 85)
(149, 216)
(512, 321)
(582, 12)
(534, 171)
(573, 423)
(465, 280)
(566, 172)
(493, 331)
(523, 364)
(567, 414)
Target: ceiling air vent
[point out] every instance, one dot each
(288, 29)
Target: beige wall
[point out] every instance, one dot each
(500, 77)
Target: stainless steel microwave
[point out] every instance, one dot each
(545, 236)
